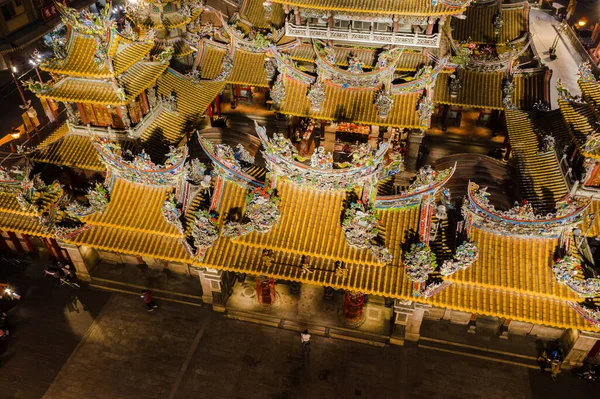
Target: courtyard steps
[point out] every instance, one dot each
(322, 330)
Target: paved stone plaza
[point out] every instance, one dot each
(182, 351)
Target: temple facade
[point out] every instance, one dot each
(311, 196)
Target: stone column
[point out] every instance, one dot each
(408, 317)
(430, 25)
(265, 290)
(215, 287)
(83, 258)
(415, 138)
(354, 302)
(578, 345)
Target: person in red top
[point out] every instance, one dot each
(147, 297)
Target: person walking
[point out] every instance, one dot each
(147, 297)
(305, 340)
(556, 357)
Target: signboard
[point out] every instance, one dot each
(51, 10)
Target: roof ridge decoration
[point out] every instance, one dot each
(279, 154)
(255, 41)
(424, 79)
(566, 271)
(227, 164)
(360, 225)
(98, 198)
(287, 67)
(427, 182)
(354, 77)
(588, 310)
(139, 168)
(585, 73)
(419, 262)
(14, 176)
(465, 255)
(261, 214)
(521, 220)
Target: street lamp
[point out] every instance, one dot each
(14, 71)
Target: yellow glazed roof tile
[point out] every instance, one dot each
(135, 207)
(581, 120)
(211, 61)
(70, 150)
(542, 182)
(479, 90)
(515, 264)
(354, 105)
(254, 12)
(80, 57)
(531, 88)
(478, 27)
(248, 69)
(138, 77)
(408, 7)
(22, 224)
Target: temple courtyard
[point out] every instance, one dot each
(93, 343)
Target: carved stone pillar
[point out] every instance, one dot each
(430, 25)
(353, 308)
(297, 20)
(578, 345)
(215, 287)
(265, 290)
(83, 258)
(408, 317)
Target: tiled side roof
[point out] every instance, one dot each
(478, 27)
(70, 150)
(22, 224)
(518, 264)
(315, 229)
(530, 88)
(211, 61)
(591, 93)
(135, 207)
(137, 78)
(80, 58)
(581, 120)
(479, 90)
(248, 69)
(541, 179)
(253, 11)
(354, 105)
(192, 100)
(407, 7)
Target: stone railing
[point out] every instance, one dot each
(393, 38)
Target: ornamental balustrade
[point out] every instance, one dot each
(389, 38)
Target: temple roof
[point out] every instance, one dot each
(80, 51)
(408, 7)
(471, 94)
(248, 69)
(253, 11)
(350, 104)
(69, 150)
(581, 120)
(478, 27)
(169, 128)
(83, 90)
(542, 182)
(133, 224)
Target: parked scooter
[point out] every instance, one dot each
(590, 373)
(63, 273)
(6, 292)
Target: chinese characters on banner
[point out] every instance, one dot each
(51, 10)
